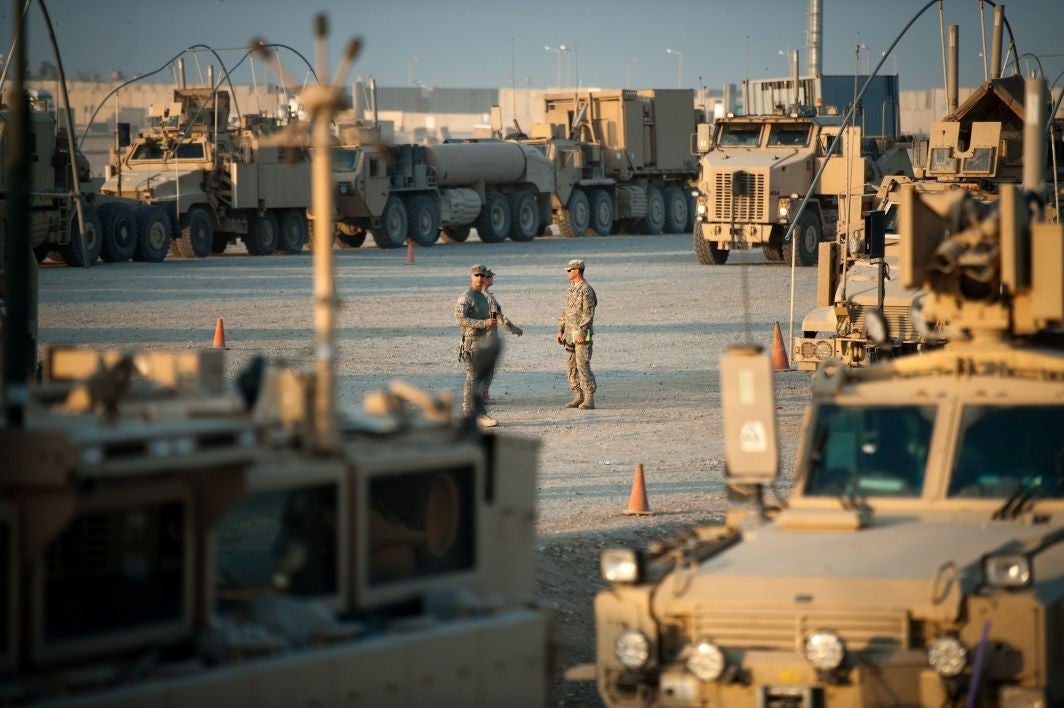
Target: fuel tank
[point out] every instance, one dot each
(463, 164)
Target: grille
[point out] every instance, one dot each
(739, 196)
(901, 325)
(865, 632)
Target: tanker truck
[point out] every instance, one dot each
(396, 192)
(207, 186)
(622, 159)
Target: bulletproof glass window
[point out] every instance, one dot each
(189, 151)
(869, 451)
(114, 570)
(422, 524)
(283, 540)
(942, 160)
(788, 136)
(739, 135)
(1007, 450)
(344, 160)
(981, 160)
(150, 150)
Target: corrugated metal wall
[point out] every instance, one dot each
(878, 113)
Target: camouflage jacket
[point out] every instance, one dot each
(495, 310)
(579, 312)
(470, 312)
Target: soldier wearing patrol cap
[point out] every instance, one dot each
(472, 312)
(575, 334)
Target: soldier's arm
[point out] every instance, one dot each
(587, 308)
(461, 314)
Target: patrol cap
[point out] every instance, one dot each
(479, 269)
(575, 263)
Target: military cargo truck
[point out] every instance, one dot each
(919, 559)
(109, 230)
(400, 192)
(622, 158)
(206, 185)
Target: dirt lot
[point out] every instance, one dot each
(661, 324)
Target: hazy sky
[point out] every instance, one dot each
(467, 43)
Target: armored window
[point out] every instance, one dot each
(374, 167)
(147, 151)
(981, 161)
(189, 151)
(739, 135)
(1007, 450)
(869, 451)
(344, 160)
(788, 136)
(942, 160)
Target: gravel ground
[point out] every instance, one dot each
(661, 324)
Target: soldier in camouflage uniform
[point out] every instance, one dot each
(575, 332)
(473, 314)
(495, 312)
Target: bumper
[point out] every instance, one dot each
(808, 352)
(735, 235)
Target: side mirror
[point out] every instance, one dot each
(122, 135)
(703, 142)
(875, 234)
(748, 401)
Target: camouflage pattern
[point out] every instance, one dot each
(471, 313)
(579, 316)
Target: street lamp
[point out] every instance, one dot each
(630, 62)
(558, 65)
(868, 58)
(410, 69)
(893, 59)
(679, 68)
(786, 54)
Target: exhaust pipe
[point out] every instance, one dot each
(181, 72)
(1034, 135)
(995, 42)
(373, 99)
(951, 75)
(794, 76)
(816, 29)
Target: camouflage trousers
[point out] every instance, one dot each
(473, 390)
(578, 368)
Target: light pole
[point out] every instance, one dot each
(631, 61)
(410, 69)
(679, 68)
(868, 58)
(893, 59)
(786, 54)
(558, 63)
(568, 63)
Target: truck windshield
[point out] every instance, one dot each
(344, 160)
(789, 136)
(739, 135)
(1005, 450)
(155, 151)
(869, 451)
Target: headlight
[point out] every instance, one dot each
(808, 349)
(701, 209)
(824, 650)
(784, 209)
(620, 565)
(1012, 571)
(160, 448)
(632, 649)
(823, 350)
(91, 456)
(706, 661)
(184, 445)
(947, 656)
(344, 188)
(876, 326)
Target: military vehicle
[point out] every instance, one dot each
(163, 542)
(622, 159)
(977, 147)
(62, 189)
(919, 559)
(400, 192)
(206, 185)
(754, 168)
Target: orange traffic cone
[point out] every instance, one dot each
(779, 352)
(219, 335)
(637, 502)
(410, 253)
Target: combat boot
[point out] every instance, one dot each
(486, 421)
(578, 398)
(589, 402)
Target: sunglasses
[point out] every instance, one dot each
(570, 270)
(480, 275)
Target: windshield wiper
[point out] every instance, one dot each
(1017, 501)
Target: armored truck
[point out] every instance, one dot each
(400, 192)
(206, 185)
(105, 231)
(919, 559)
(622, 159)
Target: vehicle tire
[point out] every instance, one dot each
(153, 234)
(71, 252)
(456, 233)
(219, 243)
(773, 250)
(524, 217)
(350, 238)
(293, 235)
(41, 252)
(807, 231)
(197, 234)
(654, 222)
(264, 234)
(675, 210)
(708, 253)
(119, 232)
(423, 220)
(574, 219)
(494, 221)
(601, 205)
(392, 231)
